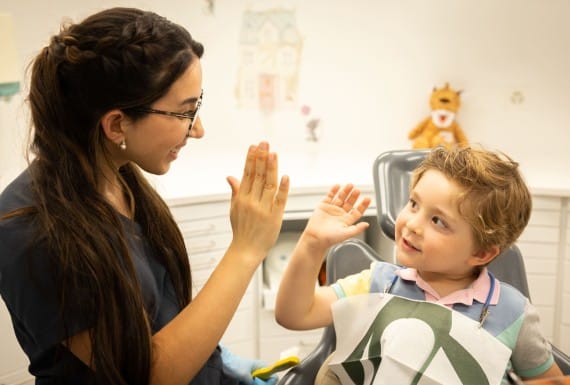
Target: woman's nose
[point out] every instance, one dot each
(197, 130)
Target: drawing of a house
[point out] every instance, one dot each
(270, 52)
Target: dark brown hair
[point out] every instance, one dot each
(119, 58)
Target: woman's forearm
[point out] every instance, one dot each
(182, 347)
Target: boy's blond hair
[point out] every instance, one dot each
(495, 200)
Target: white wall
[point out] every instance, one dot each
(368, 67)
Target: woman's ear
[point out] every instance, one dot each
(113, 123)
(484, 257)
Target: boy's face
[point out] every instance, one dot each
(431, 234)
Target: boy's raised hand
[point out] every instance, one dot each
(335, 217)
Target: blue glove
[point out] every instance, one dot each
(270, 381)
(241, 368)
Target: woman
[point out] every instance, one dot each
(93, 268)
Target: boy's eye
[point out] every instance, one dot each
(413, 204)
(439, 222)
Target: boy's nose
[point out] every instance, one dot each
(414, 225)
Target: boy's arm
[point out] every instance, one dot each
(300, 305)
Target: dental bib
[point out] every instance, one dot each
(386, 339)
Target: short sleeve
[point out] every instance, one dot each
(532, 354)
(354, 284)
(27, 286)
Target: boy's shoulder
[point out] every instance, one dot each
(511, 297)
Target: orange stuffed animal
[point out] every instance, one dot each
(440, 127)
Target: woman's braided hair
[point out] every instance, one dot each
(115, 59)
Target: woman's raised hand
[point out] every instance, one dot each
(258, 202)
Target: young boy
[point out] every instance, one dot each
(466, 206)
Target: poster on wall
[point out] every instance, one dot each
(270, 49)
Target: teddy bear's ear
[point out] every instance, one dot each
(459, 92)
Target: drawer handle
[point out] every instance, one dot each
(198, 230)
(211, 262)
(201, 248)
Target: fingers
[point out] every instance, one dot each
(282, 194)
(249, 170)
(331, 194)
(262, 168)
(260, 178)
(346, 198)
(234, 184)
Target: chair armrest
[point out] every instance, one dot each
(562, 360)
(306, 371)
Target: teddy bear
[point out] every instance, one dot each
(441, 127)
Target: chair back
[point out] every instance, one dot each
(509, 267)
(392, 172)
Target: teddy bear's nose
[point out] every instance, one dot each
(444, 100)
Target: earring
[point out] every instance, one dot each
(123, 145)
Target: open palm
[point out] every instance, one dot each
(335, 217)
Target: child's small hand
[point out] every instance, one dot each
(334, 219)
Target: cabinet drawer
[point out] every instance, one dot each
(202, 228)
(542, 250)
(242, 327)
(207, 244)
(542, 289)
(246, 349)
(540, 234)
(201, 276)
(200, 209)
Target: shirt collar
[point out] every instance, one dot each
(477, 291)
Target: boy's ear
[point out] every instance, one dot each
(484, 257)
(112, 123)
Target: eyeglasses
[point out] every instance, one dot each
(187, 115)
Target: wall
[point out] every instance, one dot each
(367, 69)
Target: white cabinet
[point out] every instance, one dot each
(540, 247)
(564, 332)
(545, 245)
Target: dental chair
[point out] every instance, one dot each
(391, 174)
